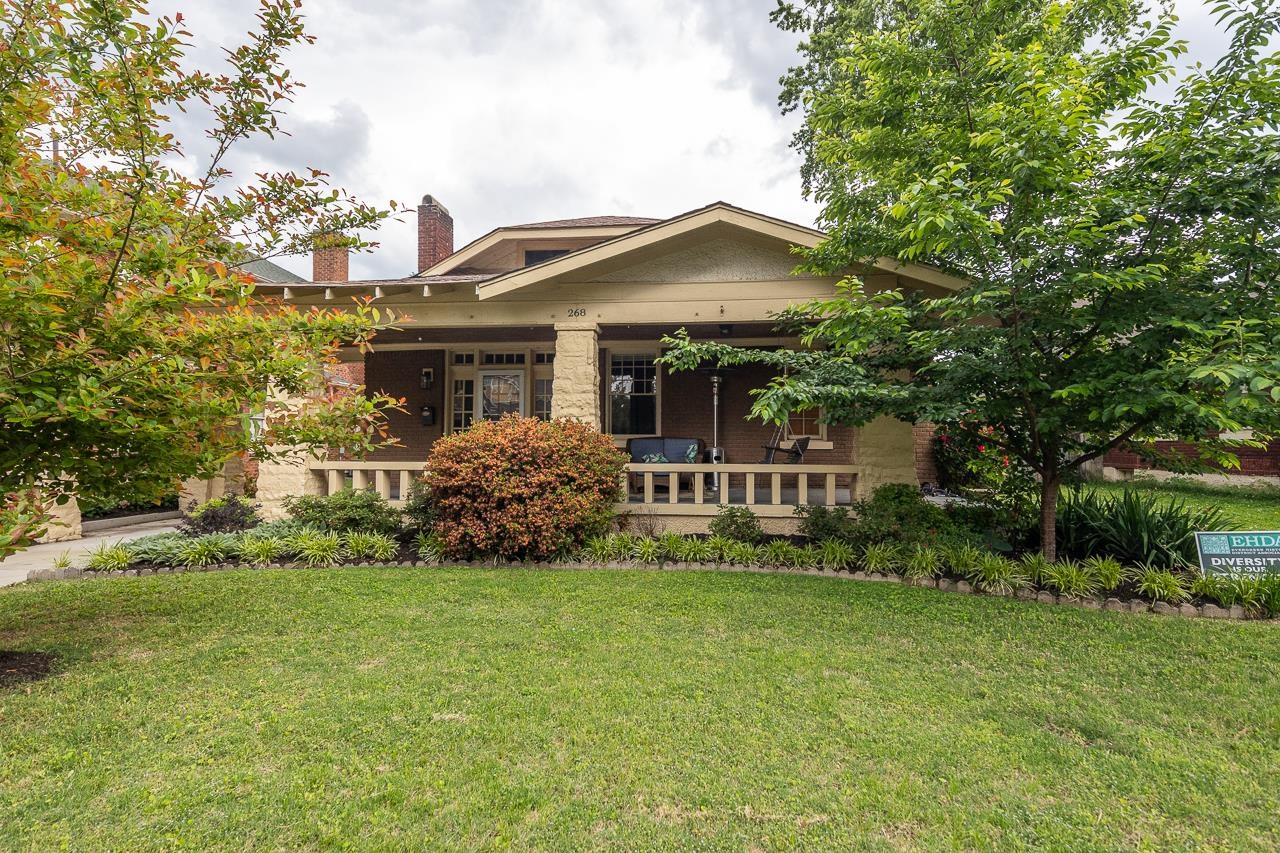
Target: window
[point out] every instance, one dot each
(502, 358)
(537, 256)
(464, 358)
(805, 424)
(501, 394)
(633, 395)
(542, 399)
(464, 402)
(544, 358)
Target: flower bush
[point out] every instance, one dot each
(522, 488)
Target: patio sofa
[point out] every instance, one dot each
(665, 449)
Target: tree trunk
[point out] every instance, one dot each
(1049, 515)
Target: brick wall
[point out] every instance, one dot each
(397, 374)
(686, 412)
(1257, 462)
(926, 470)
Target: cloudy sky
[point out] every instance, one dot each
(513, 111)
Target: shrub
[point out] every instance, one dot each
(108, 558)
(776, 553)
(742, 554)
(227, 514)
(737, 523)
(1035, 566)
(897, 512)
(598, 549)
(1134, 527)
(523, 488)
(1160, 584)
(719, 547)
(282, 529)
(997, 575)
(821, 523)
(622, 546)
(419, 508)
(345, 511)
(370, 546)
(1071, 579)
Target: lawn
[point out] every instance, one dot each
(1251, 508)
(397, 708)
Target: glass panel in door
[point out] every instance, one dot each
(501, 394)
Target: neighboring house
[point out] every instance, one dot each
(565, 318)
(1257, 464)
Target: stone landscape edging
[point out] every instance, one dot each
(1115, 605)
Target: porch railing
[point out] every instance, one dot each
(668, 488)
(665, 488)
(389, 479)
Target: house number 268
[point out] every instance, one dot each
(577, 312)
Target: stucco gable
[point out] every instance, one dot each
(714, 260)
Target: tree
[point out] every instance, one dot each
(1122, 248)
(132, 350)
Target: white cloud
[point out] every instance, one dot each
(520, 110)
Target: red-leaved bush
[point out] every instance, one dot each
(521, 488)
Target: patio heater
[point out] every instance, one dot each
(717, 452)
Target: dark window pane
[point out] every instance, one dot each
(635, 415)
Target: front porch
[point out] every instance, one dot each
(688, 489)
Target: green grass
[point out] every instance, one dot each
(392, 708)
(1252, 508)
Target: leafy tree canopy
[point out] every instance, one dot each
(132, 351)
(1117, 217)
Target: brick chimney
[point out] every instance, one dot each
(329, 263)
(435, 233)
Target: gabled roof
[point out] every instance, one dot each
(720, 215)
(591, 222)
(592, 227)
(267, 272)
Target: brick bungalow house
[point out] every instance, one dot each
(565, 318)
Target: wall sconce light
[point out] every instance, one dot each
(426, 378)
(428, 416)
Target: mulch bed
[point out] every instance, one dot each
(20, 667)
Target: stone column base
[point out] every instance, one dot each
(885, 450)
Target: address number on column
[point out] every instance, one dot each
(577, 312)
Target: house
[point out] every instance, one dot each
(565, 318)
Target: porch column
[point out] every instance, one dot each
(64, 521)
(885, 452)
(575, 383)
(229, 479)
(279, 480)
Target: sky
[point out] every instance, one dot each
(512, 111)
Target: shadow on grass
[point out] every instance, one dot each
(22, 667)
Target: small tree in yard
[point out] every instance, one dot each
(1122, 251)
(131, 351)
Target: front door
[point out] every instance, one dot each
(501, 393)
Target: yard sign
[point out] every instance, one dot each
(1246, 553)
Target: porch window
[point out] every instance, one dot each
(542, 399)
(806, 424)
(464, 402)
(633, 395)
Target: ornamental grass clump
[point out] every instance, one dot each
(697, 550)
(776, 553)
(647, 551)
(598, 549)
(997, 575)
(428, 547)
(108, 558)
(523, 488)
(160, 549)
(1070, 579)
(317, 550)
(882, 558)
(671, 544)
(203, 552)
(921, 563)
(836, 555)
(622, 546)
(1159, 584)
(261, 550)
(370, 546)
